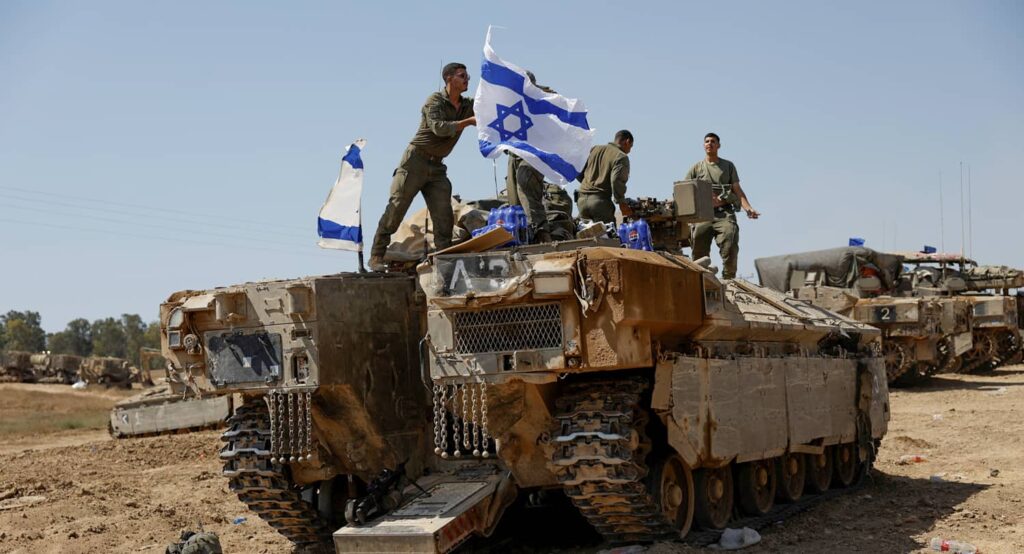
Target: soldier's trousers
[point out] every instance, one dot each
(529, 193)
(417, 174)
(596, 208)
(726, 233)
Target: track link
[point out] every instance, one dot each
(598, 454)
(264, 487)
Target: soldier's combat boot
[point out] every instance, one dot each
(377, 264)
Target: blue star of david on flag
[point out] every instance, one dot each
(547, 130)
(503, 113)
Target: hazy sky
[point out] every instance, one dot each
(152, 147)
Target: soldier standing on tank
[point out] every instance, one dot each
(443, 117)
(728, 197)
(525, 187)
(604, 178)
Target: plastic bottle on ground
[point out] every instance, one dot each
(939, 544)
(912, 459)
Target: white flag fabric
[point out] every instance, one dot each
(339, 224)
(546, 129)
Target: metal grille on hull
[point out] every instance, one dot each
(508, 329)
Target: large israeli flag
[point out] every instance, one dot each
(339, 224)
(546, 129)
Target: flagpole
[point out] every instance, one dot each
(362, 269)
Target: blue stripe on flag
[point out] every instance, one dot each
(353, 158)
(554, 161)
(331, 230)
(505, 77)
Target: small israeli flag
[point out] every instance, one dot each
(339, 224)
(546, 129)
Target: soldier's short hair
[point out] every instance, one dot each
(623, 136)
(450, 69)
(718, 140)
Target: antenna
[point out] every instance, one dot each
(942, 214)
(970, 217)
(963, 231)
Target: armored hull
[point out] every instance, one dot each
(329, 385)
(16, 367)
(56, 368)
(106, 370)
(652, 394)
(921, 335)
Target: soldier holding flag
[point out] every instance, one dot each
(443, 118)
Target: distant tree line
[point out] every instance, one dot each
(120, 338)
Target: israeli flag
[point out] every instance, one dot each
(547, 130)
(339, 224)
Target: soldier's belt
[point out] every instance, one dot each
(428, 157)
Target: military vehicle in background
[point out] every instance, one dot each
(167, 404)
(330, 393)
(56, 368)
(106, 370)
(996, 329)
(649, 392)
(16, 367)
(921, 335)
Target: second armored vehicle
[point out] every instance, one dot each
(920, 335)
(56, 368)
(331, 394)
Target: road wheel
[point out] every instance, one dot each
(844, 458)
(755, 487)
(818, 471)
(713, 496)
(673, 491)
(792, 476)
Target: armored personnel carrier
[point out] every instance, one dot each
(56, 368)
(328, 385)
(996, 331)
(921, 335)
(651, 393)
(16, 367)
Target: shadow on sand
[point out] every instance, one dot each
(954, 382)
(881, 516)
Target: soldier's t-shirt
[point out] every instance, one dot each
(722, 172)
(438, 131)
(722, 175)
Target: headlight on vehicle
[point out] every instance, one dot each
(552, 284)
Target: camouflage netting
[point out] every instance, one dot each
(840, 265)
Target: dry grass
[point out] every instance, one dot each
(24, 412)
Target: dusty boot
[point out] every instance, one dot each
(377, 264)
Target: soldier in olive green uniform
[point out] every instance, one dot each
(525, 187)
(604, 179)
(558, 206)
(444, 116)
(728, 197)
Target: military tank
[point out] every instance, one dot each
(996, 332)
(328, 391)
(16, 367)
(921, 335)
(56, 368)
(106, 370)
(652, 394)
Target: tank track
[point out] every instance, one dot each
(599, 453)
(264, 487)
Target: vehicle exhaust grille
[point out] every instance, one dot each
(508, 329)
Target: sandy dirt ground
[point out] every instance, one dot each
(66, 487)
